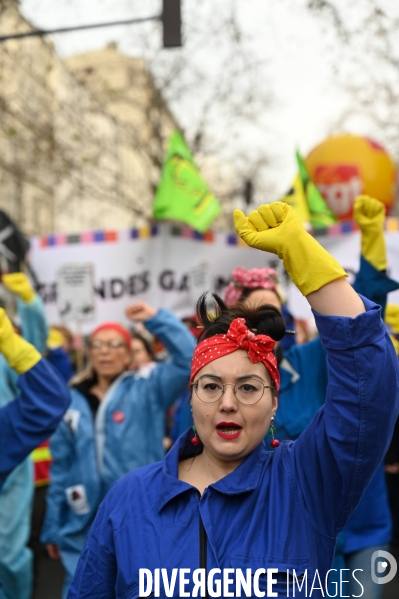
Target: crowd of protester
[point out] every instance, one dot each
(136, 405)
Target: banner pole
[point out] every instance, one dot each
(80, 349)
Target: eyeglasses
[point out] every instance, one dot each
(248, 391)
(112, 345)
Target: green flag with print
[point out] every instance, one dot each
(182, 194)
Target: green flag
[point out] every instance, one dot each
(296, 198)
(182, 194)
(320, 214)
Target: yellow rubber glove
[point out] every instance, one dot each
(275, 228)
(370, 216)
(392, 317)
(392, 321)
(395, 344)
(55, 339)
(18, 283)
(20, 354)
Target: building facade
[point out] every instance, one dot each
(82, 140)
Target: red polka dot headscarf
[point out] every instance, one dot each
(256, 278)
(259, 348)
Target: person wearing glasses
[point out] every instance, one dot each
(220, 503)
(115, 424)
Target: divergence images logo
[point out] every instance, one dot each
(382, 566)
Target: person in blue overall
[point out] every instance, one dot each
(35, 412)
(115, 423)
(16, 494)
(303, 383)
(16, 497)
(220, 502)
(303, 371)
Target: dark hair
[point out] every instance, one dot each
(247, 292)
(147, 345)
(216, 320)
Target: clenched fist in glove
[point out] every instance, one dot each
(275, 228)
(18, 283)
(370, 216)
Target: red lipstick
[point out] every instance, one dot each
(228, 430)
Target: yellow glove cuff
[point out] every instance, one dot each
(309, 265)
(373, 249)
(20, 354)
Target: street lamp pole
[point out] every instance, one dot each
(170, 18)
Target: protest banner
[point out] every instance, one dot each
(155, 265)
(152, 265)
(75, 292)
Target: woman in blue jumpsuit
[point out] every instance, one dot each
(110, 430)
(16, 494)
(32, 408)
(228, 503)
(304, 375)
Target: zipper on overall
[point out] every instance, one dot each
(202, 549)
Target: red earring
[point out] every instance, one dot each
(195, 440)
(274, 442)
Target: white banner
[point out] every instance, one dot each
(158, 269)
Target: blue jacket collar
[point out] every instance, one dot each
(243, 479)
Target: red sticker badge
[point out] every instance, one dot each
(118, 416)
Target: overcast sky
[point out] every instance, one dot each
(300, 51)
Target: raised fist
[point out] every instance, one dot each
(368, 212)
(276, 228)
(18, 283)
(139, 311)
(270, 228)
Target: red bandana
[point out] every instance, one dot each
(259, 348)
(113, 326)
